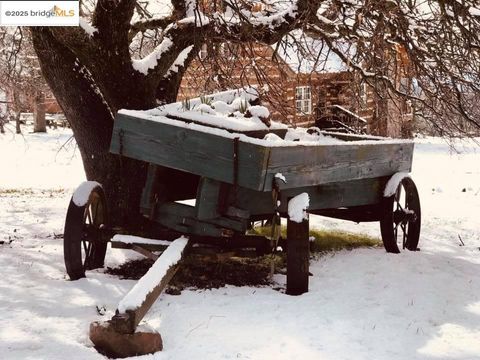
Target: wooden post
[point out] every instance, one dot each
(298, 250)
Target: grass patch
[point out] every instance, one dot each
(200, 272)
(328, 240)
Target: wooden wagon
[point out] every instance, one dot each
(238, 176)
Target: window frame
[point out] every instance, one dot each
(303, 100)
(203, 53)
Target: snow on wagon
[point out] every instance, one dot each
(240, 167)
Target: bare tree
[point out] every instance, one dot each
(20, 75)
(125, 55)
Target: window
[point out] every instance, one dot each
(363, 94)
(303, 100)
(260, 6)
(203, 52)
(405, 87)
(230, 51)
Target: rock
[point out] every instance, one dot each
(116, 345)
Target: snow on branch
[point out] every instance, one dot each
(151, 60)
(277, 19)
(179, 61)
(87, 27)
(148, 24)
(246, 21)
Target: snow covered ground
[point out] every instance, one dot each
(362, 304)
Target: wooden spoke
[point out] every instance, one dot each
(88, 255)
(89, 215)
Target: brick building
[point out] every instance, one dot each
(297, 90)
(28, 101)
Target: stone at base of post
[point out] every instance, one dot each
(116, 345)
(298, 252)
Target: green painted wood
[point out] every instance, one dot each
(188, 150)
(327, 196)
(211, 156)
(182, 218)
(351, 137)
(148, 190)
(207, 202)
(364, 213)
(149, 247)
(315, 165)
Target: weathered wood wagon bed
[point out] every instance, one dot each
(240, 174)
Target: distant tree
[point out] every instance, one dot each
(21, 77)
(3, 119)
(95, 70)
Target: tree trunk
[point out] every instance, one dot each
(16, 108)
(18, 129)
(91, 120)
(39, 121)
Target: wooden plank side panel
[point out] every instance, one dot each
(208, 195)
(314, 165)
(188, 150)
(326, 196)
(182, 218)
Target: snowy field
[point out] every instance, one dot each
(362, 304)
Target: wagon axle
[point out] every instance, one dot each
(403, 216)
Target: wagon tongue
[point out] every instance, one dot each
(120, 337)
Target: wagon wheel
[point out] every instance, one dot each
(84, 247)
(401, 218)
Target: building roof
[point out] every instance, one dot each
(305, 55)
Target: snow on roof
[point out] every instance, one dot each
(306, 55)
